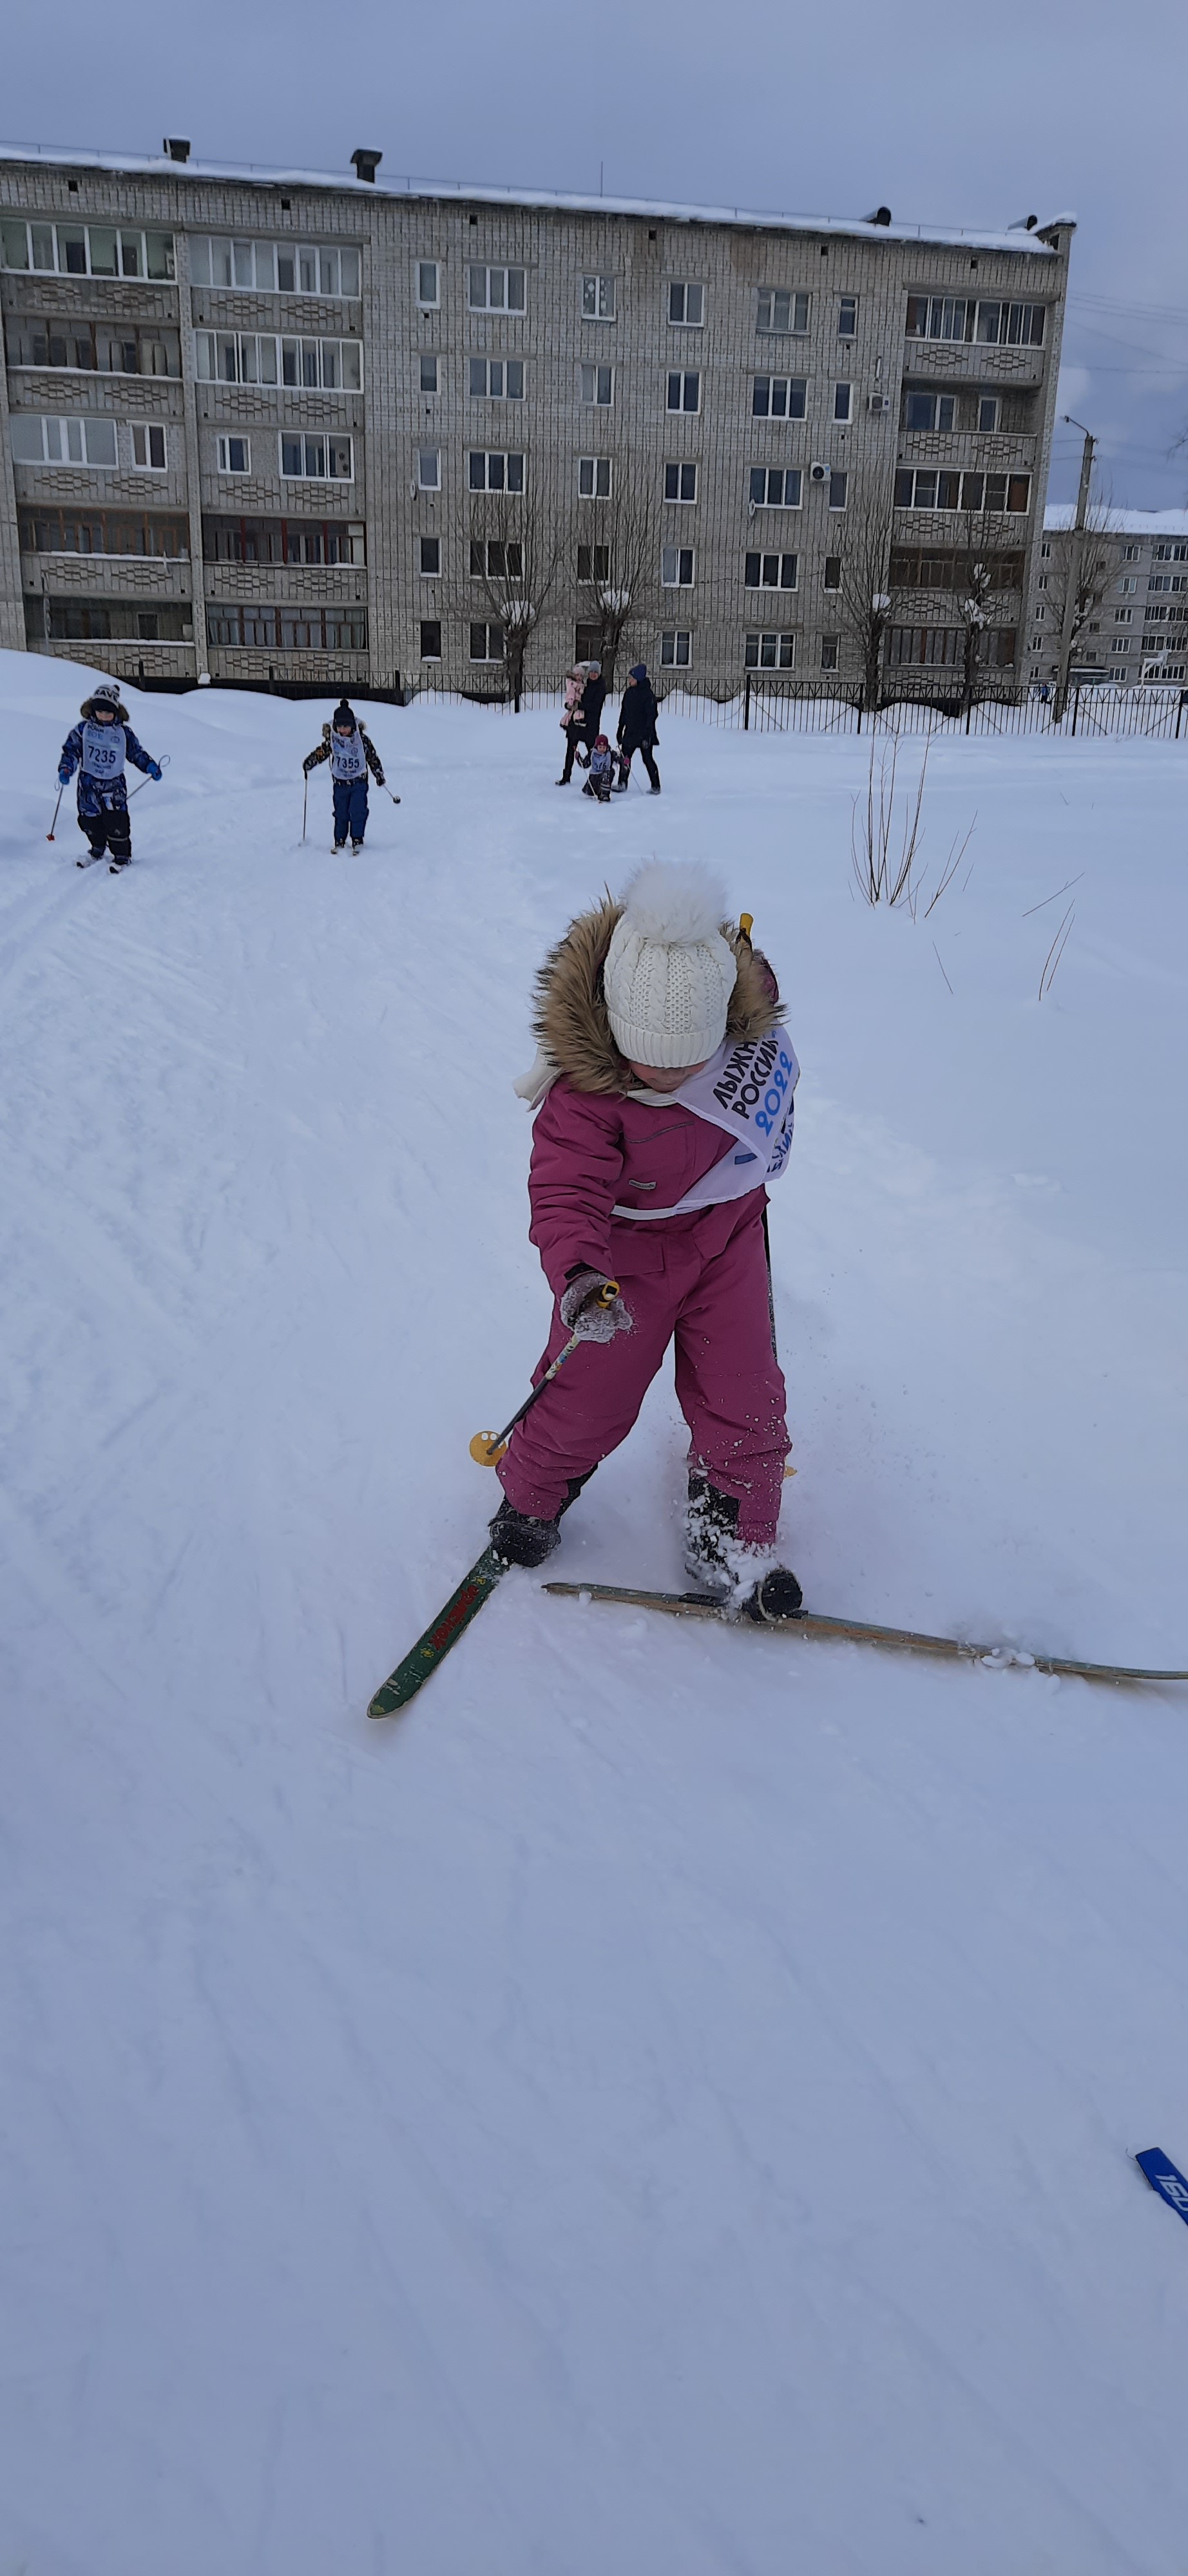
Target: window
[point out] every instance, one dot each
(1128, 584)
(686, 304)
(843, 396)
(847, 317)
(1130, 554)
(684, 389)
(778, 397)
(943, 647)
(494, 473)
(781, 310)
(1042, 581)
(91, 345)
(492, 559)
(771, 572)
(85, 530)
(1123, 616)
(832, 580)
(495, 290)
(429, 383)
(598, 385)
(1012, 326)
(62, 442)
(769, 652)
(839, 485)
(1120, 644)
(1163, 553)
(235, 455)
(776, 487)
(1167, 581)
(428, 285)
(148, 446)
(259, 358)
(431, 639)
(486, 643)
(430, 557)
(680, 482)
(989, 411)
(598, 299)
(676, 649)
(274, 268)
(594, 478)
(1045, 551)
(830, 645)
(593, 563)
(85, 250)
(676, 567)
(500, 379)
(930, 488)
(930, 411)
(287, 541)
(428, 469)
(289, 630)
(939, 317)
(324, 459)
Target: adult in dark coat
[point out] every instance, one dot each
(637, 726)
(585, 725)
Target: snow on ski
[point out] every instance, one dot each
(816, 1623)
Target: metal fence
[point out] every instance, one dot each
(766, 703)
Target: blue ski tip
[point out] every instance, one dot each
(1164, 2178)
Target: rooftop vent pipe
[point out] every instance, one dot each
(881, 215)
(176, 148)
(366, 164)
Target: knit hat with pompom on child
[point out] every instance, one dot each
(669, 973)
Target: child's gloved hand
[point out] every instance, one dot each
(590, 1321)
(154, 770)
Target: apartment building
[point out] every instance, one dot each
(269, 425)
(1137, 629)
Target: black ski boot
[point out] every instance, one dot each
(521, 1541)
(717, 1558)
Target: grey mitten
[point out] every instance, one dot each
(582, 1314)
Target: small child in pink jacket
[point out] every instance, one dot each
(663, 1098)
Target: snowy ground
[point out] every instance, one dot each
(664, 2106)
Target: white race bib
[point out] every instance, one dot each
(746, 1089)
(103, 750)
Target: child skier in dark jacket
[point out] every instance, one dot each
(98, 748)
(602, 771)
(663, 1099)
(351, 753)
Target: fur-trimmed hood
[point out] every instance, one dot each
(570, 1020)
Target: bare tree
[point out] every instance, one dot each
(1079, 574)
(864, 583)
(508, 550)
(618, 549)
(984, 565)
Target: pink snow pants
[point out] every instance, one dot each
(702, 1283)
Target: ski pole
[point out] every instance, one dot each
(488, 1447)
(746, 924)
(162, 765)
(305, 805)
(395, 798)
(50, 834)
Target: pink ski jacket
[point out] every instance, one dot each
(594, 1148)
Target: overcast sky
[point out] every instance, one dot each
(942, 113)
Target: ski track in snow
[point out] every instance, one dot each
(664, 2105)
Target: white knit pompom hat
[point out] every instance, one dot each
(669, 973)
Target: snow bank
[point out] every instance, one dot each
(665, 2104)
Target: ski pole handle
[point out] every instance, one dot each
(50, 834)
(488, 1447)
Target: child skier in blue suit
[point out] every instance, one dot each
(98, 748)
(351, 753)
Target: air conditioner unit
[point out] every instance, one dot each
(878, 403)
(818, 473)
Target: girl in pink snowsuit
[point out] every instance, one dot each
(663, 1096)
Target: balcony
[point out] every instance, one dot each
(972, 362)
(290, 585)
(74, 576)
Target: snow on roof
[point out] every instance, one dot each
(1124, 523)
(1014, 237)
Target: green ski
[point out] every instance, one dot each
(442, 1633)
